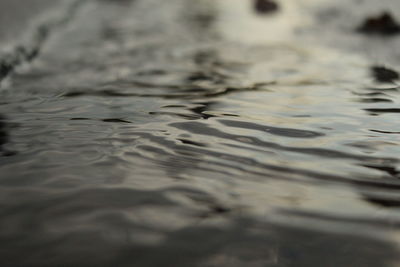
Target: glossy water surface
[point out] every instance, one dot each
(202, 133)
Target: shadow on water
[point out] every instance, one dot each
(189, 156)
(3, 133)
(183, 91)
(106, 227)
(203, 129)
(4, 137)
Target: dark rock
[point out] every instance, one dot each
(384, 75)
(384, 24)
(265, 6)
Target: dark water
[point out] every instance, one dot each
(200, 133)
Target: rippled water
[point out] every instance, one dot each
(199, 133)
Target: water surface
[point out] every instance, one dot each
(200, 133)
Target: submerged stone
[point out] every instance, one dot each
(384, 24)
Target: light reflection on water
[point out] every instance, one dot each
(200, 134)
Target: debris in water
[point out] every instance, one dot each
(265, 6)
(384, 24)
(384, 75)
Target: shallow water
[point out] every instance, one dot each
(199, 133)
